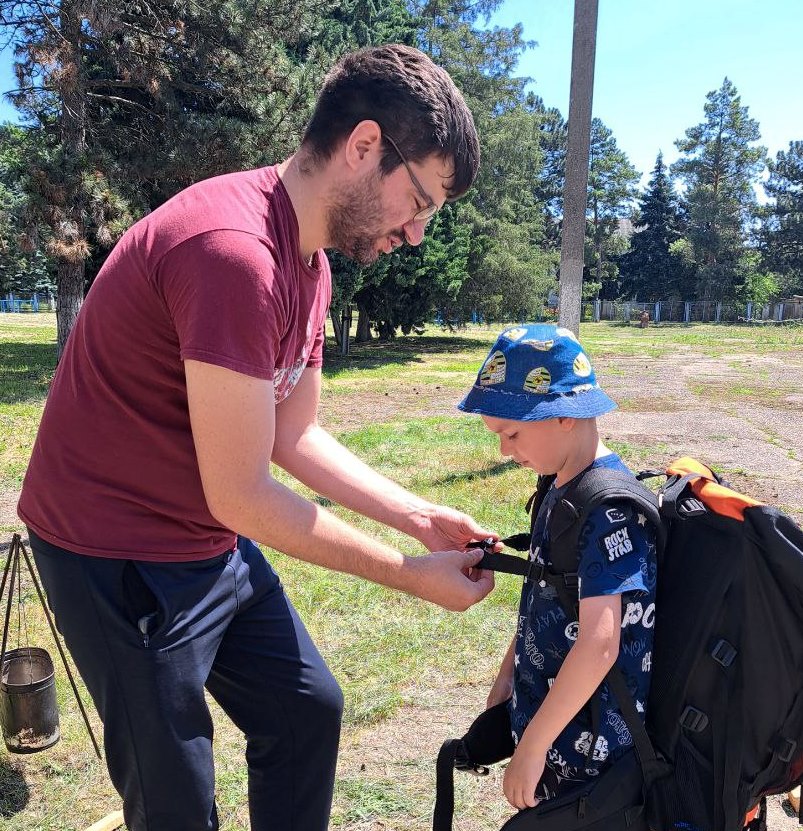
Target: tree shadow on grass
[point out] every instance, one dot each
(14, 792)
(26, 370)
(403, 350)
(473, 475)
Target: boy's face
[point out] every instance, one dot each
(539, 445)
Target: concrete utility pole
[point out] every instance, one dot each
(575, 188)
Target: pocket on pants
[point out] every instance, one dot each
(140, 603)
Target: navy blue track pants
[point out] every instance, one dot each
(148, 637)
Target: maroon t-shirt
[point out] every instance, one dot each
(213, 275)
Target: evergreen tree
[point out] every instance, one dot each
(650, 271)
(612, 184)
(549, 185)
(135, 101)
(24, 267)
(719, 167)
(782, 237)
(501, 219)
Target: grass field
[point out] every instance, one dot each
(414, 675)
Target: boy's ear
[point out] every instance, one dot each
(566, 423)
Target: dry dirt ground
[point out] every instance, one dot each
(740, 412)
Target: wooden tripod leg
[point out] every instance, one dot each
(108, 823)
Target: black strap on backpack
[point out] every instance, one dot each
(487, 742)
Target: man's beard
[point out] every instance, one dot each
(352, 223)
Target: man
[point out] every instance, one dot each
(194, 365)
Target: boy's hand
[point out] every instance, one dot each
(523, 774)
(501, 690)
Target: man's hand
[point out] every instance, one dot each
(523, 774)
(441, 528)
(447, 579)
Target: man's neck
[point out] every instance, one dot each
(308, 195)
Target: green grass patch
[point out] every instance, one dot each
(27, 363)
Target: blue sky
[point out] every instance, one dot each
(656, 60)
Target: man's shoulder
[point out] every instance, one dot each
(240, 203)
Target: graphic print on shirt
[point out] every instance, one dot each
(617, 557)
(286, 378)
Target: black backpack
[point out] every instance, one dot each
(725, 715)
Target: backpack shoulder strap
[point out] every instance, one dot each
(593, 488)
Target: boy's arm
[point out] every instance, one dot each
(584, 668)
(502, 688)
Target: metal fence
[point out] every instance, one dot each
(693, 311)
(19, 303)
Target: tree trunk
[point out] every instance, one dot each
(69, 297)
(363, 326)
(73, 248)
(337, 328)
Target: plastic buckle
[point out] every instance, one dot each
(724, 653)
(570, 579)
(785, 749)
(691, 507)
(693, 719)
(465, 765)
(536, 572)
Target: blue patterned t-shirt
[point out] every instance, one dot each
(617, 556)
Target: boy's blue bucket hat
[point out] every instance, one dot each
(535, 372)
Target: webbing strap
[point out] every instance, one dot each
(652, 767)
(444, 786)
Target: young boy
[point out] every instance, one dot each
(537, 391)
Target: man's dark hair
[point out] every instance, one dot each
(413, 100)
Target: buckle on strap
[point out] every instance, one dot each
(465, 765)
(535, 572)
(693, 719)
(784, 748)
(691, 506)
(724, 653)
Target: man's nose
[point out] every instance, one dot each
(414, 232)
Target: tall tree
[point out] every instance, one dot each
(503, 223)
(782, 237)
(23, 265)
(650, 270)
(719, 167)
(612, 184)
(138, 100)
(549, 184)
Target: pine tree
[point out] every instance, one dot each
(782, 237)
(719, 167)
(135, 101)
(650, 271)
(612, 184)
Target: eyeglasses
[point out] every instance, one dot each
(425, 215)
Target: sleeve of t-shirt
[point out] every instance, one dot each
(315, 360)
(617, 551)
(227, 299)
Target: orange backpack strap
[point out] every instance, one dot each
(715, 496)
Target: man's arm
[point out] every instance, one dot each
(233, 420)
(313, 456)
